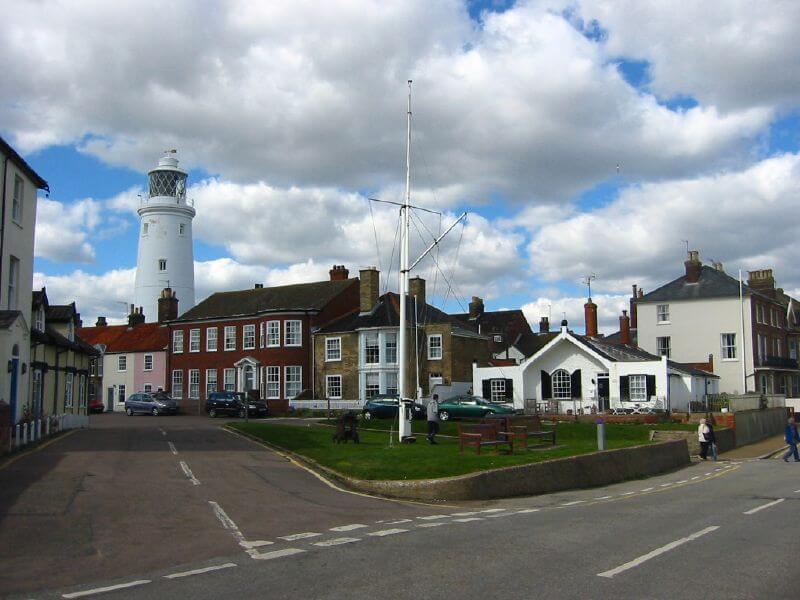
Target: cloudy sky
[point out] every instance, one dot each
(582, 136)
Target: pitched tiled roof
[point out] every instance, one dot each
(530, 343)
(498, 320)
(121, 338)
(386, 313)
(53, 338)
(39, 298)
(690, 370)
(7, 318)
(23, 166)
(61, 313)
(614, 338)
(301, 296)
(616, 352)
(712, 284)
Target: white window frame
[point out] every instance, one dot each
(497, 389)
(146, 358)
(333, 352)
(148, 388)
(162, 265)
(287, 382)
(387, 389)
(435, 352)
(273, 382)
(376, 386)
(177, 384)
(372, 350)
(637, 388)
(177, 341)
(332, 382)
(390, 347)
(663, 349)
(122, 363)
(229, 380)
(288, 326)
(194, 384)
(40, 319)
(68, 382)
(727, 346)
(211, 381)
(273, 334)
(249, 337)
(212, 338)
(662, 313)
(262, 334)
(194, 340)
(230, 336)
(561, 385)
(122, 394)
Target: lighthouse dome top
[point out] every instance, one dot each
(167, 179)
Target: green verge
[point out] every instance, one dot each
(375, 459)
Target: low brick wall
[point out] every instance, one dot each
(586, 470)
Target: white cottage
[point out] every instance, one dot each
(579, 373)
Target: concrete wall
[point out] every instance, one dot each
(755, 425)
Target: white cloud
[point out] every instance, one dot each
(63, 230)
(609, 309)
(742, 218)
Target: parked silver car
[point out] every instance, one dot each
(154, 404)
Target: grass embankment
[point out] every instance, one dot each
(375, 459)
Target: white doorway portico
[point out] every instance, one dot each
(247, 374)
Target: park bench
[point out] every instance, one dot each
(484, 434)
(524, 428)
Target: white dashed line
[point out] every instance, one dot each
(464, 514)
(797, 491)
(603, 498)
(627, 493)
(199, 571)
(172, 448)
(706, 474)
(763, 506)
(682, 481)
(645, 557)
(386, 532)
(277, 553)
(432, 517)
(255, 544)
(188, 472)
(647, 489)
(299, 536)
(348, 527)
(665, 485)
(525, 511)
(497, 515)
(434, 524)
(398, 522)
(336, 542)
(573, 503)
(228, 524)
(695, 477)
(493, 510)
(109, 588)
(468, 519)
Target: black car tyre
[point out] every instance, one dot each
(155, 412)
(212, 413)
(444, 415)
(129, 411)
(367, 415)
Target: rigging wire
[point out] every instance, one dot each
(391, 258)
(375, 231)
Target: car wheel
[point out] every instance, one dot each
(155, 412)
(241, 414)
(212, 413)
(129, 411)
(444, 415)
(367, 415)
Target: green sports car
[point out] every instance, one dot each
(471, 407)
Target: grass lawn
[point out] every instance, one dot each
(374, 458)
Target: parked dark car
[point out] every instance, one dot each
(385, 407)
(232, 404)
(154, 404)
(471, 407)
(96, 405)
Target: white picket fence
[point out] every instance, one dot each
(23, 434)
(324, 404)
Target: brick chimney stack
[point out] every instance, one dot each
(416, 287)
(339, 273)
(625, 328)
(590, 318)
(136, 317)
(101, 322)
(475, 307)
(369, 282)
(763, 281)
(544, 325)
(693, 267)
(167, 305)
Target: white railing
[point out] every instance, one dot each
(325, 404)
(23, 434)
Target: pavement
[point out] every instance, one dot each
(760, 449)
(174, 507)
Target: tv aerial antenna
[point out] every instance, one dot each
(587, 281)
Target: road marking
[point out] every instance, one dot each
(467, 519)
(695, 477)
(681, 481)
(277, 553)
(797, 491)
(496, 515)
(387, 532)
(172, 448)
(336, 542)
(647, 489)
(432, 517)
(657, 552)
(188, 472)
(763, 506)
(603, 497)
(627, 493)
(228, 524)
(398, 522)
(162, 431)
(525, 511)
(665, 485)
(464, 514)
(109, 588)
(493, 510)
(348, 527)
(434, 524)
(299, 536)
(255, 544)
(199, 571)
(573, 503)
(706, 474)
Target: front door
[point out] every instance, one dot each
(13, 389)
(603, 390)
(110, 398)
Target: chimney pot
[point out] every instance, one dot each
(544, 325)
(693, 267)
(625, 329)
(339, 273)
(101, 322)
(167, 306)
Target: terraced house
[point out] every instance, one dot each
(257, 339)
(356, 356)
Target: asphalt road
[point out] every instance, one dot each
(113, 506)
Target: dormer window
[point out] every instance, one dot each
(40, 319)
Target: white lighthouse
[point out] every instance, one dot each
(166, 257)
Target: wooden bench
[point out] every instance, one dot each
(524, 428)
(484, 434)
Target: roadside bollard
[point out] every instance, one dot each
(601, 434)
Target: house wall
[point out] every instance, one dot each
(19, 336)
(347, 367)
(59, 362)
(157, 377)
(114, 378)
(695, 328)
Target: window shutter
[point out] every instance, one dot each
(487, 389)
(651, 386)
(510, 389)
(575, 383)
(624, 388)
(547, 386)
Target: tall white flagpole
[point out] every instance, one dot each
(404, 430)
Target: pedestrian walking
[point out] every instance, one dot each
(433, 418)
(712, 439)
(703, 433)
(792, 438)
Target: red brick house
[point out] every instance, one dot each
(258, 339)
